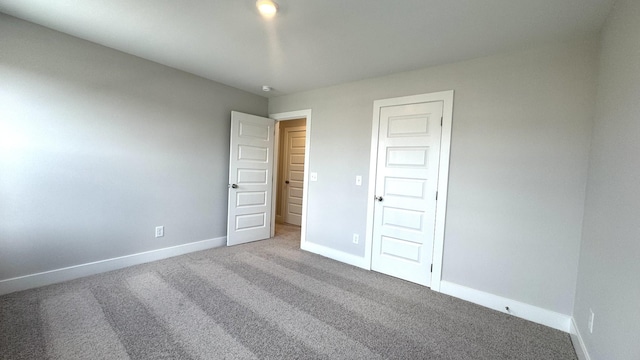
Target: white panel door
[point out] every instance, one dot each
(405, 189)
(250, 178)
(294, 138)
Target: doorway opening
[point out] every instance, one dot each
(291, 168)
(290, 172)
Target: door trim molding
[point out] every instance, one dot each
(443, 174)
(292, 115)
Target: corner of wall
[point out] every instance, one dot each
(578, 342)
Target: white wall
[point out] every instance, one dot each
(521, 130)
(609, 271)
(98, 147)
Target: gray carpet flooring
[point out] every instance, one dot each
(264, 300)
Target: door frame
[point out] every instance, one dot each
(443, 174)
(284, 116)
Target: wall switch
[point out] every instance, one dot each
(314, 176)
(590, 324)
(356, 238)
(358, 180)
(159, 231)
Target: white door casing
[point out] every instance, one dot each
(295, 138)
(409, 164)
(250, 178)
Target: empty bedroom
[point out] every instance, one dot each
(363, 179)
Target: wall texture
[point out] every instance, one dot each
(521, 130)
(98, 147)
(609, 271)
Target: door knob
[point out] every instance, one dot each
(379, 198)
(233, 186)
(286, 182)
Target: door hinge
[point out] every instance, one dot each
(431, 267)
(436, 195)
(441, 117)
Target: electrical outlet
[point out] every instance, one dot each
(590, 324)
(159, 231)
(356, 238)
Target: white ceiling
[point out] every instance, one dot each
(312, 43)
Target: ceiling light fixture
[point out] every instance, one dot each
(267, 8)
(266, 88)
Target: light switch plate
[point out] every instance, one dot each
(358, 180)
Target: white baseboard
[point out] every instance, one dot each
(578, 343)
(516, 308)
(354, 260)
(77, 271)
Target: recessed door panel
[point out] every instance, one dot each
(253, 153)
(255, 131)
(295, 193)
(412, 125)
(403, 218)
(400, 250)
(410, 188)
(297, 159)
(296, 175)
(252, 176)
(298, 143)
(407, 156)
(251, 198)
(251, 221)
(295, 208)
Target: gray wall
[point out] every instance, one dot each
(521, 130)
(609, 271)
(98, 147)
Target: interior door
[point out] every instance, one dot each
(250, 178)
(295, 138)
(405, 189)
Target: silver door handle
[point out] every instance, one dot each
(379, 198)
(233, 186)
